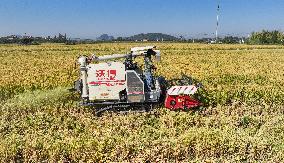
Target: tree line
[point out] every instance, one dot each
(266, 37)
(30, 40)
(262, 37)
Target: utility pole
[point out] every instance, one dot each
(217, 23)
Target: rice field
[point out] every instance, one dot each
(41, 121)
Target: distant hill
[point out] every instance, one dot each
(105, 37)
(151, 37)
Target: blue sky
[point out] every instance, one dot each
(90, 18)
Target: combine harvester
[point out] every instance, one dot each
(109, 84)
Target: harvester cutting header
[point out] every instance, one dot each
(108, 83)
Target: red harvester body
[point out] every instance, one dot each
(179, 97)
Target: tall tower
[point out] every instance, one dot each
(217, 22)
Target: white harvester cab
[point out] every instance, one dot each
(106, 80)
